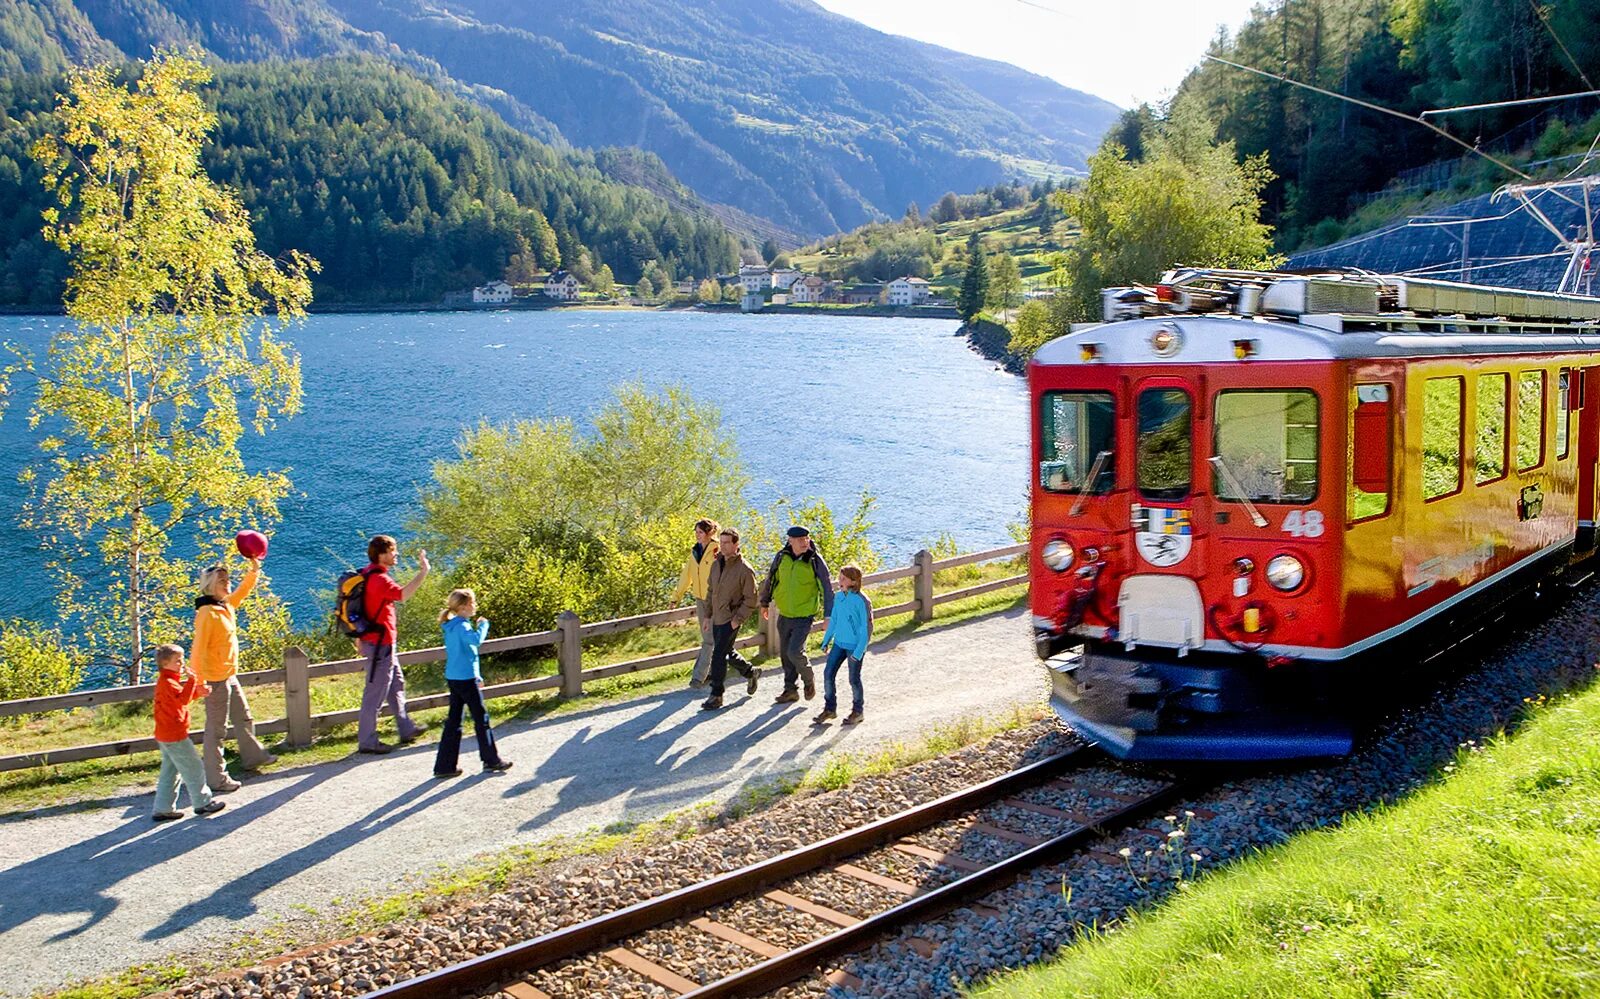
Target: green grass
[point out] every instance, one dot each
(90, 782)
(1484, 884)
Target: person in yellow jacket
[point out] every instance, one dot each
(693, 580)
(215, 660)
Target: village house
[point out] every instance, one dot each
(863, 294)
(784, 277)
(755, 279)
(908, 291)
(493, 293)
(685, 288)
(562, 286)
(808, 290)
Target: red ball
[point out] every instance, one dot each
(251, 544)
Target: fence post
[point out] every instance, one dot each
(769, 635)
(297, 696)
(570, 654)
(923, 561)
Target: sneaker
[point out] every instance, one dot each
(789, 696)
(414, 736)
(212, 807)
(378, 749)
(226, 787)
(265, 761)
(165, 816)
(825, 717)
(853, 718)
(498, 768)
(711, 704)
(750, 681)
(447, 774)
(696, 684)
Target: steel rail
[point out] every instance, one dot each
(787, 967)
(489, 970)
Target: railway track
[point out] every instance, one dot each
(972, 819)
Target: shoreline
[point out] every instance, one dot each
(401, 308)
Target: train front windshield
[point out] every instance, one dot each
(1075, 442)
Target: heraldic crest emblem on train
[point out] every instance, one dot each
(1162, 534)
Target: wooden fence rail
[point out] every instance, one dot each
(300, 725)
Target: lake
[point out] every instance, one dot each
(819, 406)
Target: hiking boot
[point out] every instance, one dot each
(809, 679)
(414, 736)
(498, 768)
(376, 750)
(165, 816)
(226, 787)
(265, 761)
(825, 717)
(696, 684)
(789, 696)
(711, 704)
(212, 807)
(447, 774)
(853, 718)
(750, 681)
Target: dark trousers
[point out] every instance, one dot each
(792, 635)
(722, 639)
(838, 657)
(465, 694)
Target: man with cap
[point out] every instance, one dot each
(798, 582)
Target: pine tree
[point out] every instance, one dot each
(975, 283)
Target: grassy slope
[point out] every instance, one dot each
(1483, 885)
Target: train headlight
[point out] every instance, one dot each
(1285, 572)
(1057, 554)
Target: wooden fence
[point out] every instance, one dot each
(299, 725)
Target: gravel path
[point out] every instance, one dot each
(89, 893)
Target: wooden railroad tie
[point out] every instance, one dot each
(860, 874)
(656, 973)
(1000, 832)
(811, 908)
(1056, 813)
(522, 990)
(955, 861)
(722, 931)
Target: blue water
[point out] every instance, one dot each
(819, 406)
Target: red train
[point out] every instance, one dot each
(1257, 493)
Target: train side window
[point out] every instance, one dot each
(1563, 412)
(1076, 430)
(1369, 452)
(1166, 444)
(1267, 440)
(1530, 420)
(1441, 437)
(1489, 432)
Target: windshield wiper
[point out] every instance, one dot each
(1089, 486)
(1238, 490)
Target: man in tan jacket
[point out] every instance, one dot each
(731, 592)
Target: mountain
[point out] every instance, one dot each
(780, 110)
(401, 191)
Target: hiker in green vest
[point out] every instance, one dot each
(797, 581)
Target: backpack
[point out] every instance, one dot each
(350, 604)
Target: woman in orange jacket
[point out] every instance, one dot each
(215, 659)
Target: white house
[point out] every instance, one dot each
(493, 293)
(807, 290)
(783, 277)
(755, 279)
(562, 286)
(752, 301)
(908, 291)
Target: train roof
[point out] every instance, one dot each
(1202, 315)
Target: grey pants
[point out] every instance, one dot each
(702, 662)
(386, 684)
(226, 703)
(179, 760)
(792, 635)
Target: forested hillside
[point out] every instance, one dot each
(401, 192)
(1410, 55)
(780, 109)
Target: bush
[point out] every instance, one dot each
(36, 662)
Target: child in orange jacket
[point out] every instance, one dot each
(176, 689)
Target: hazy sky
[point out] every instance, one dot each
(1126, 51)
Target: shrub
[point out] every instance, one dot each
(36, 662)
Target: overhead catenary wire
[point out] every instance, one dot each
(1511, 104)
(1539, 13)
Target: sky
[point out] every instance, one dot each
(1126, 51)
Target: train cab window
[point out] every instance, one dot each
(1489, 430)
(1441, 437)
(1563, 411)
(1369, 453)
(1166, 448)
(1076, 430)
(1267, 440)
(1530, 420)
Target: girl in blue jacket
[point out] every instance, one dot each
(462, 635)
(849, 631)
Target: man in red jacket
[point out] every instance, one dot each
(176, 689)
(386, 684)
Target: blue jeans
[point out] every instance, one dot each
(180, 760)
(836, 658)
(465, 695)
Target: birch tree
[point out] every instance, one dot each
(174, 352)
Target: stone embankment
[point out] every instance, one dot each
(992, 340)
